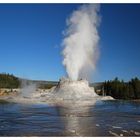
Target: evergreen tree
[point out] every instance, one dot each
(122, 90)
(8, 81)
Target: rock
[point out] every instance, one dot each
(114, 134)
(97, 125)
(137, 133)
(125, 131)
(121, 135)
(72, 131)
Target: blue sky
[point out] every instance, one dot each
(31, 36)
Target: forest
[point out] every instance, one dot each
(122, 90)
(9, 81)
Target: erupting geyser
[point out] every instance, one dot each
(81, 41)
(80, 55)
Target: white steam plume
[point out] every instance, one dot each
(28, 88)
(81, 41)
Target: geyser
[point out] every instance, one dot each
(69, 89)
(80, 56)
(81, 41)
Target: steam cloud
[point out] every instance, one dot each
(28, 88)
(81, 41)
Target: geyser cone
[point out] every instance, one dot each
(68, 89)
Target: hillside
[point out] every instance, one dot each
(11, 81)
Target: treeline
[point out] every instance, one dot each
(46, 86)
(123, 90)
(9, 81)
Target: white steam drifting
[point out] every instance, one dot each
(81, 41)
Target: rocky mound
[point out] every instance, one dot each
(67, 89)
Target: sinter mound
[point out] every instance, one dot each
(68, 89)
